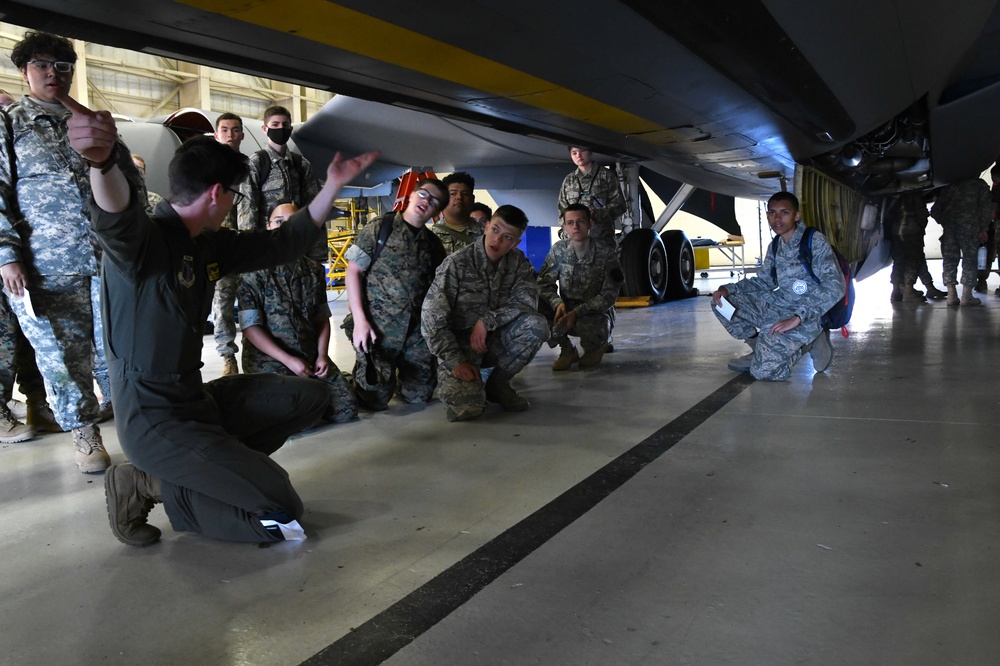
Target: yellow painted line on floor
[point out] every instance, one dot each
(327, 23)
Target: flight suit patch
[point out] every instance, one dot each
(213, 272)
(186, 274)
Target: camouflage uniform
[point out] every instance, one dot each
(8, 348)
(100, 360)
(287, 301)
(223, 306)
(599, 191)
(453, 239)
(152, 198)
(55, 243)
(469, 288)
(394, 293)
(286, 183)
(761, 302)
(588, 285)
(962, 210)
(17, 358)
(209, 443)
(907, 226)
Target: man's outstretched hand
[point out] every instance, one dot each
(91, 133)
(341, 171)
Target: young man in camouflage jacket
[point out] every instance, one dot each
(480, 312)
(578, 284)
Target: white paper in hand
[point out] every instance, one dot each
(28, 307)
(725, 308)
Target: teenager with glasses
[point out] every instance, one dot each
(49, 264)
(386, 284)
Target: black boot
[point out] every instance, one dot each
(130, 495)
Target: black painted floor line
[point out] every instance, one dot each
(397, 626)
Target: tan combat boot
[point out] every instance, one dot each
(911, 295)
(229, 366)
(131, 494)
(499, 390)
(40, 416)
(91, 457)
(967, 297)
(568, 355)
(12, 430)
(18, 408)
(592, 357)
(953, 295)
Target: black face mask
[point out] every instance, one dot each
(279, 135)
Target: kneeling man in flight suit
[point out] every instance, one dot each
(200, 448)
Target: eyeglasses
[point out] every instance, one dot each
(61, 66)
(237, 195)
(427, 196)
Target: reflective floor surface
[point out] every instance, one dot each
(658, 509)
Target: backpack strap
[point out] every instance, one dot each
(15, 208)
(438, 253)
(296, 161)
(263, 167)
(384, 231)
(264, 170)
(806, 252)
(772, 250)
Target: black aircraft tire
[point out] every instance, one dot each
(644, 262)
(680, 258)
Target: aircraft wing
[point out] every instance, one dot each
(709, 92)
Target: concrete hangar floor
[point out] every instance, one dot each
(656, 510)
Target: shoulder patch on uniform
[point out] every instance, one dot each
(186, 274)
(213, 272)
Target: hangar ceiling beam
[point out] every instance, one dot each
(79, 90)
(142, 85)
(197, 92)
